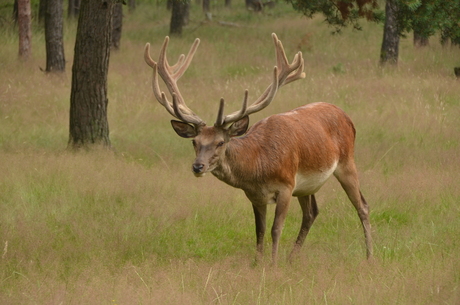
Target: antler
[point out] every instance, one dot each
(170, 75)
(283, 73)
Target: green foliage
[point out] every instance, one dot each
(340, 13)
(426, 17)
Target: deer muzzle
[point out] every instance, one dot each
(198, 169)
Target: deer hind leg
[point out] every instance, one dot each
(260, 212)
(309, 211)
(348, 178)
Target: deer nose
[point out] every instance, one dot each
(197, 167)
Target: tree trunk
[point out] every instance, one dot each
(25, 32)
(88, 100)
(132, 5)
(420, 40)
(117, 25)
(73, 8)
(228, 3)
(254, 5)
(42, 11)
(54, 32)
(390, 44)
(206, 6)
(186, 12)
(178, 16)
(15, 11)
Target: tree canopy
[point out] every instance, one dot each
(340, 13)
(424, 17)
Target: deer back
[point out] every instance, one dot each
(305, 140)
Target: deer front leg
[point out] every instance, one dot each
(260, 212)
(282, 205)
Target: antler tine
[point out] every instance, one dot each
(170, 75)
(159, 95)
(220, 113)
(258, 105)
(185, 117)
(283, 73)
(281, 59)
(291, 71)
(235, 116)
(148, 59)
(178, 64)
(184, 62)
(298, 73)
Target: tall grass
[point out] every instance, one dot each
(136, 227)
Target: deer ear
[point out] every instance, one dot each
(240, 127)
(184, 130)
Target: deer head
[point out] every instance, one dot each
(210, 141)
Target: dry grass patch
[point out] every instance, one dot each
(135, 226)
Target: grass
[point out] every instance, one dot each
(136, 227)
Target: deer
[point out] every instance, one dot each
(285, 155)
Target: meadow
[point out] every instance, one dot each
(134, 226)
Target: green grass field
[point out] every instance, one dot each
(136, 227)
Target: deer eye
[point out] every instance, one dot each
(220, 143)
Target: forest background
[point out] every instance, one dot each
(136, 226)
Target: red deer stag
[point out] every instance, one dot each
(284, 155)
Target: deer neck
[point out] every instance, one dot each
(237, 165)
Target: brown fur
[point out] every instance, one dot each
(310, 140)
(284, 155)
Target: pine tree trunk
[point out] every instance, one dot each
(54, 32)
(25, 32)
(177, 17)
(390, 44)
(88, 101)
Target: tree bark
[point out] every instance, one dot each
(25, 32)
(88, 100)
(390, 45)
(54, 32)
(73, 8)
(132, 5)
(178, 17)
(15, 11)
(206, 6)
(254, 5)
(186, 12)
(42, 11)
(420, 40)
(117, 25)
